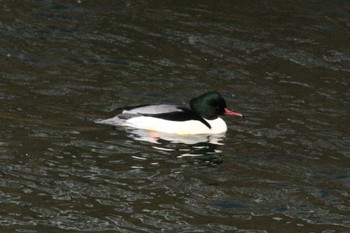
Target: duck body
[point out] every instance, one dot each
(201, 118)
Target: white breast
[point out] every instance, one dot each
(177, 127)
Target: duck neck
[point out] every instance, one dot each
(203, 110)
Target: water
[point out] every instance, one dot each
(283, 169)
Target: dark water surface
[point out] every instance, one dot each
(284, 64)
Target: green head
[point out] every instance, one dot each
(210, 105)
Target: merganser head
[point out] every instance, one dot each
(210, 105)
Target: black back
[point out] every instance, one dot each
(184, 115)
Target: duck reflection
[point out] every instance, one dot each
(201, 147)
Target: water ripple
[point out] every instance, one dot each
(283, 167)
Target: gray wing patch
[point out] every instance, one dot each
(152, 109)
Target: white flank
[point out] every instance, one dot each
(175, 127)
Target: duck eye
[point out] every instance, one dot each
(218, 108)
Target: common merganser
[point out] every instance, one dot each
(201, 118)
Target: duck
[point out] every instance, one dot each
(201, 117)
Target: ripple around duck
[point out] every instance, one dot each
(283, 168)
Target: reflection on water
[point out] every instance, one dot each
(200, 147)
(65, 63)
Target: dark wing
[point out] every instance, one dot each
(182, 114)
